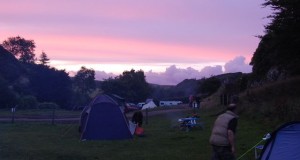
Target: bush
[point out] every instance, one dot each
(28, 102)
(48, 105)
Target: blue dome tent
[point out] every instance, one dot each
(283, 144)
(104, 119)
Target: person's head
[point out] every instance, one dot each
(232, 107)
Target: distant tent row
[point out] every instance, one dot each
(104, 119)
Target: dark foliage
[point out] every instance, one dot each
(131, 85)
(21, 48)
(209, 86)
(50, 84)
(10, 68)
(83, 84)
(7, 95)
(279, 48)
(20, 80)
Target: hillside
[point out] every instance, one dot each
(271, 104)
(28, 84)
(10, 68)
(188, 87)
(274, 102)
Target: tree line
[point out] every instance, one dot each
(29, 82)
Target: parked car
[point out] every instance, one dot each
(131, 107)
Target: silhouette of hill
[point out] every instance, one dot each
(32, 83)
(10, 69)
(188, 87)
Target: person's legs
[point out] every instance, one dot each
(227, 154)
(222, 153)
(215, 153)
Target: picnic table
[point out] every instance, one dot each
(190, 122)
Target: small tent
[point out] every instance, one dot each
(150, 104)
(283, 144)
(104, 119)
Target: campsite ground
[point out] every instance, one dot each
(163, 140)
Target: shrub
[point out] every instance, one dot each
(28, 102)
(48, 105)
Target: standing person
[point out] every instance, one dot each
(191, 100)
(137, 118)
(222, 137)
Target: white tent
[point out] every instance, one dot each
(150, 104)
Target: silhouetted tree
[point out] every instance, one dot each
(84, 84)
(131, 85)
(279, 48)
(84, 80)
(44, 60)
(21, 48)
(50, 85)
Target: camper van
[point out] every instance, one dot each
(169, 103)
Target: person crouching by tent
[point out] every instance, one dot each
(222, 137)
(137, 119)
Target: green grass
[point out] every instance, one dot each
(38, 113)
(164, 140)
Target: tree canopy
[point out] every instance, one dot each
(131, 85)
(20, 82)
(50, 85)
(21, 48)
(83, 85)
(279, 48)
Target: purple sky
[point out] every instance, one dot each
(170, 40)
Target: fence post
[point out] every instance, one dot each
(53, 115)
(13, 110)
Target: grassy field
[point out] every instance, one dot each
(164, 140)
(38, 113)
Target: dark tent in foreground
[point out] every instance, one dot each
(104, 119)
(283, 144)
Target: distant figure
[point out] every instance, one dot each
(198, 100)
(137, 118)
(222, 137)
(191, 100)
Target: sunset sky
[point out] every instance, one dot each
(170, 40)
